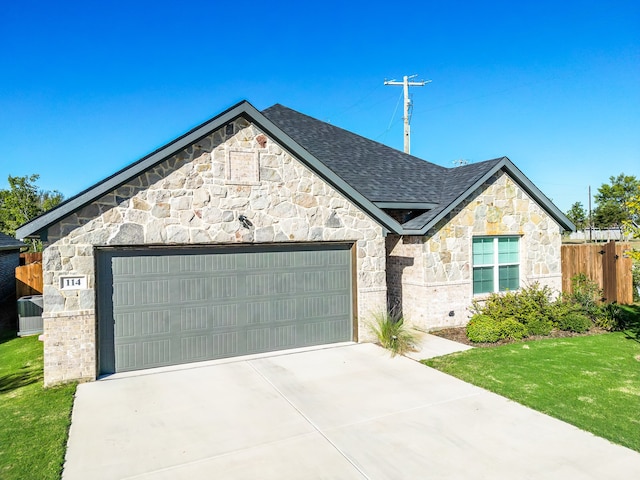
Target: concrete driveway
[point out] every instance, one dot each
(348, 412)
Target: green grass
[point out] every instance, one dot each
(34, 421)
(592, 382)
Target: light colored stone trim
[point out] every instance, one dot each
(533, 277)
(56, 315)
(436, 284)
(373, 289)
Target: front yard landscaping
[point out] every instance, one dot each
(34, 421)
(592, 382)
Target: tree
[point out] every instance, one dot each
(578, 215)
(612, 201)
(23, 201)
(608, 215)
(632, 224)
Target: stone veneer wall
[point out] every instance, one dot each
(195, 197)
(431, 276)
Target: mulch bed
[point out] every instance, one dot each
(459, 334)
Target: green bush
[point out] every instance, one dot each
(539, 326)
(393, 334)
(609, 316)
(511, 328)
(574, 322)
(635, 275)
(586, 294)
(484, 329)
(532, 306)
(562, 307)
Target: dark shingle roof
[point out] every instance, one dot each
(458, 181)
(10, 243)
(373, 176)
(380, 173)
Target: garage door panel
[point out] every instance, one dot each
(225, 345)
(195, 348)
(177, 306)
(126, 356)
(258, 340)
(224, 316)
(271, 311)
(332, 331)
(194, 318)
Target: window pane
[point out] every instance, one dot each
(508, 251)
(482, 280)
(509, 277)
(483, 251)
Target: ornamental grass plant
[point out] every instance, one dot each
(393, 333)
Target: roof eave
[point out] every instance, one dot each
(39, 225)
(16, 247)
(44, 221)
(516, 175)
(406, 205)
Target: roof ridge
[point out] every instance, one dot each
(331, 125)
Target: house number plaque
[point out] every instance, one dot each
(73, 282)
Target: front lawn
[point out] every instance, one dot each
(33, 421)
(592, 382)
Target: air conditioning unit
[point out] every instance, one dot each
(30, 315)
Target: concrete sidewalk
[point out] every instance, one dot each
(349, 412)
(431, 346)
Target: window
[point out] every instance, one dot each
(496, 264)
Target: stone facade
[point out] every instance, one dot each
(195, 198)
(430, 277)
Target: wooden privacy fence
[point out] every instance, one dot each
(606, 264)
(30, 257)
(29, 275)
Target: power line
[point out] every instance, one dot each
(407, 105)
(395, 110)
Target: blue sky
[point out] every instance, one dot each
(88, 87)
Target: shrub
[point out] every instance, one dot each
(586, 294)
(511, 328)
(635, 275)
(609, 316)
(531, 306)
(563, 306)
(393, 334)
(539, 326)
(574, 322)
(485, 329)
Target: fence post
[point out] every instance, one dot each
(610, 272)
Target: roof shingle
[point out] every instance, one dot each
(380, 173)
(10, 243)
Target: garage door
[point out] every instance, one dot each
(170, 306)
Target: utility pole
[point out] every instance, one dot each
(407, 105)
(590, 218)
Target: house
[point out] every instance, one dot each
(9, 260)
(260, 231)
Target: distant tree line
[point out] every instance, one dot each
(616, 205)
(24, 201)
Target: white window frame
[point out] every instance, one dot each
(496, 262)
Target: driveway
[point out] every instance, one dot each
(347, 412)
